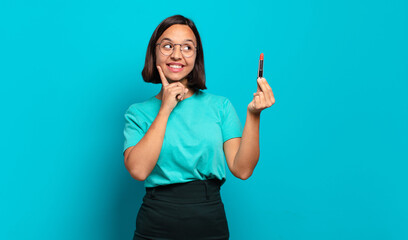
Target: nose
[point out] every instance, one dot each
(176, 53)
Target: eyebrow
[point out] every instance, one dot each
(185, 40)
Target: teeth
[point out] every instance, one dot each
(175, 66)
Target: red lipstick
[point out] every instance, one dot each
(260, 69)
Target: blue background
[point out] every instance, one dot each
(334, 152)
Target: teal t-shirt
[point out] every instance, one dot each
(193, 142)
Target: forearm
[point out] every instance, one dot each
(248, 152)
(144, 155)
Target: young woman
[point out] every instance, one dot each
(178, 141)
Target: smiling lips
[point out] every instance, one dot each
(175, 67)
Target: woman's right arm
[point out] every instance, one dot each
(142, 158)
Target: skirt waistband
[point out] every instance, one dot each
(190, 192)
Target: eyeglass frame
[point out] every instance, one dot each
(174, 44)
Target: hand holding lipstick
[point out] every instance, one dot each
(263, 98)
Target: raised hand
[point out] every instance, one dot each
(263, 98)
(172, 92)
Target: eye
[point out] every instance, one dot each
(187, 47)
(168, 46)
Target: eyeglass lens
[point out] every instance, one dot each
(167, 48)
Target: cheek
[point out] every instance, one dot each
(159, 58)
(192, 63)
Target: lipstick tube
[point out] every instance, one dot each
(260, 69)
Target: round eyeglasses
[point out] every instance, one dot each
(167, 48)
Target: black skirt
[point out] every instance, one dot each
(191, 211)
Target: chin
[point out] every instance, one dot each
(175, 79)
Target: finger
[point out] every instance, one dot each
(273, 96)
(262, 100)
(270, 92)
(162, 77)
(169, 90)
(177, 90)
(258, 88)
(257, 101)
(184, 93)
(179, 97)
(266, 89)
(175, 85)
(261, 83)
(265, 101)
(252, 104)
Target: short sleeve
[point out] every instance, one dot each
(231, 125)
(133, 131)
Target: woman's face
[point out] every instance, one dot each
(176, 66)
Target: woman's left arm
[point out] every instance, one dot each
(242, 154)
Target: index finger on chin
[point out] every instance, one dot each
(162, 77)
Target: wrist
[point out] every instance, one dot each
(255, 115)
(165, 112)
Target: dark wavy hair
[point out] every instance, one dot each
(196, 78)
